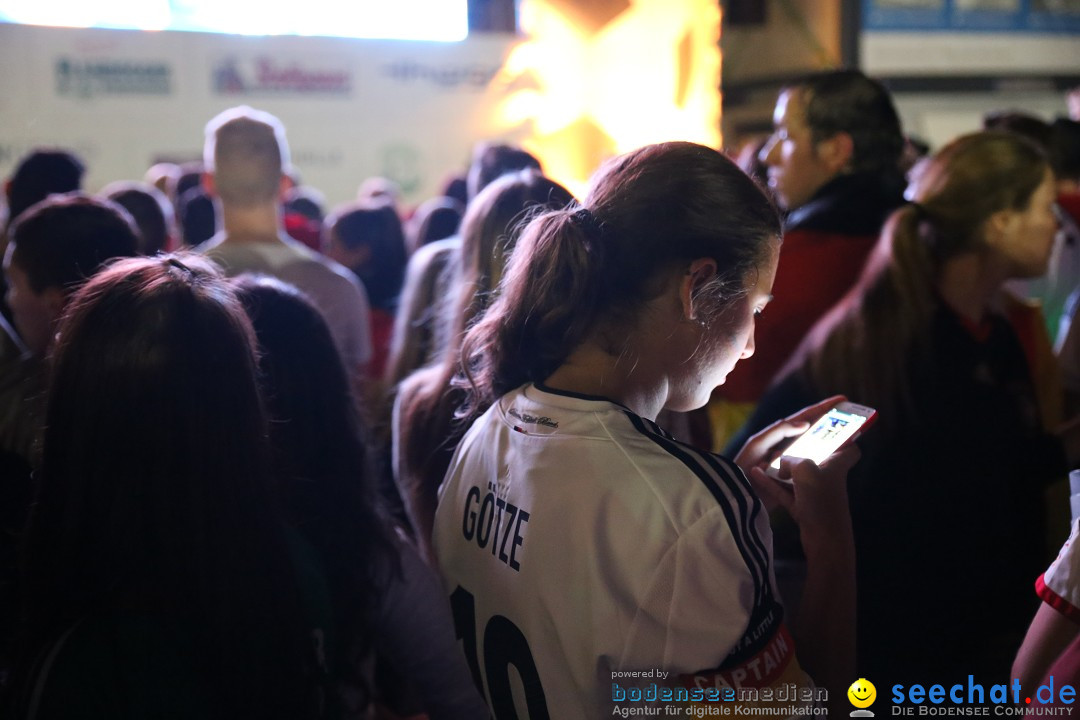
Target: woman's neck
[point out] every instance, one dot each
(968, 285)
(590, 370)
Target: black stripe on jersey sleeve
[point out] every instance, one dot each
(735, 473)
(734, 479)
(729, 471)
(709, 474)
(653, 427)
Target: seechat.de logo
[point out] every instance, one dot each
(1053, 698)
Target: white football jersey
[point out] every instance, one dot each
(585, 552)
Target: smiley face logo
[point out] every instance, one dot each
(862, 693)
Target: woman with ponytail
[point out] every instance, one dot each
(425, 431)
(579, 542)
(947, 503)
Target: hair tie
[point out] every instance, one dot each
(173, 262)
(926, 229)
(188, 275)
(587, 222)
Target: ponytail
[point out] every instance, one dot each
(916, 251)
(865, 346)
(549, 300)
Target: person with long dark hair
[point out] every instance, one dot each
(158, 579)
(387, 605)
(581, 544)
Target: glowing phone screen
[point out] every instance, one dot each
(824, 437)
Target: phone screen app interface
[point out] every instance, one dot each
(827, 434)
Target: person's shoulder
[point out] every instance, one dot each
(417, 380)
(307, 261)
(692, 483)
(696, 464)
(418, 394)
(437, 248)
(233, 258)
(855, 205)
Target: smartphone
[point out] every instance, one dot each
(830, 433)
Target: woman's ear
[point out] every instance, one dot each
(700, 272)
(999, 225)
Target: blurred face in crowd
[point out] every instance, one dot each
(798, 166)
(1027, 235)
(35, 314)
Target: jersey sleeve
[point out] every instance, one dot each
(700, 597)
(725, 623)
(1059, 586)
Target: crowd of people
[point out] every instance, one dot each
(503, 454)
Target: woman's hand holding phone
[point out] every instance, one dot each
(817, 498)
(835, 429)
(766, 446)
(814, 495)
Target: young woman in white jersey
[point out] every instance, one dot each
(580, 544)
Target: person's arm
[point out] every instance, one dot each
(415, 637)
(419, 503)
(1048, 635)
(825, 627)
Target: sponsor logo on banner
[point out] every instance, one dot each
(269, 76)
(323, 157)
(87, 78)
(474, 75)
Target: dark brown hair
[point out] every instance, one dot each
(373, 224)
(63, 240)
(320, 462)
(153, 497)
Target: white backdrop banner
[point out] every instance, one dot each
(123, 100)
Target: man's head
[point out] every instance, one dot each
(56, 245)
(826, 125)
(246, 157)
(40, 174)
